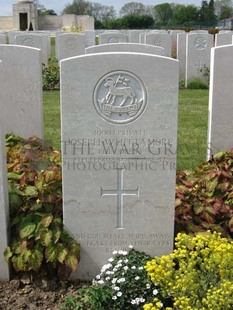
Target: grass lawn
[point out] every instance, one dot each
(192, 125)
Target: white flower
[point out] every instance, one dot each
(97, 277)
(131, 246)
(140, 268)
(147, 286)
(114, 280)
(121, 280)
(109, 272)
(119, 294)
(122, 252)
(137, 301)
(155, 292)
(111, 259)
(133, 267)
(126, 268)
(101, 282)
(114, 297)
(126, 261)
(120, 261)
(105, 267)
(107, 278)
(114, 252)
(116, 288)
(137, 278)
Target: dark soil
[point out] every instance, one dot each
(42, 294)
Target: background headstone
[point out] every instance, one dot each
(112, 37)
(181, 53)
(89, 38)
(4, 205)
(34, 40)
(70, 44)
(162, 40)
(223, 39)
(3, 38)
(126, 47)
(220, 127)
(198, 48)
(119, 132)
(21, 87)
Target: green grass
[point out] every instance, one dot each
(52, 123)
(192, 125)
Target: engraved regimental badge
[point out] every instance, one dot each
(200, 43)
(120, 97)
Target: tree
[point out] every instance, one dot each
(135, 8)
(150, 10)
(223, 9)
(78, 7)
(163, 13)
(102, 12)
(135, 21)
(184, 15)
(207, 13)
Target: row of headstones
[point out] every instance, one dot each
(193, 52)
(119, 133)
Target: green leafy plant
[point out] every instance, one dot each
(38, 239)
(51, 75)
(122, 284)
(196, 83)
(204, 198)
(197, 275)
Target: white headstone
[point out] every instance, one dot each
(90, 38)
(70, 44)
(126, 47)
(142, 37)
(34, 40)
(134, 35)
(161, 40)
(198, 48)
(12, 35)
(4, 206)
(21, 88)
(223, 39)
(181, 53)
(174, 34)
(119, 132)
(3, 38)
(220, 127)
(112, 37)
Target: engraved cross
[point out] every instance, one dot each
(200, 66)
(120, 192)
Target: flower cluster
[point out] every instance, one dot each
(197, 275)
(126, 277)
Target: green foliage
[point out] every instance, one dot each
(204, 198)
(122, 284)
(137, 21)
(51, 75)
(38, 240)
(196, 83)
(197, 275)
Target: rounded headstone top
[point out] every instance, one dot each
(19, 1)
